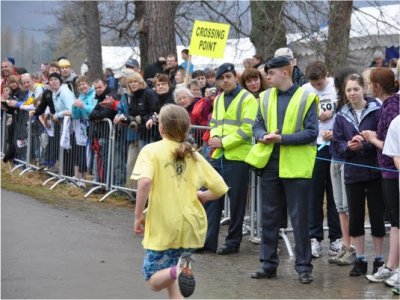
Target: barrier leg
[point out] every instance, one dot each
(282, 233)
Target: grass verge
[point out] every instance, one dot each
(30, 184)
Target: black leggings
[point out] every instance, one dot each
(356, 193)
(390, 191)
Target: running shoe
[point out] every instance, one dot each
(185, 277)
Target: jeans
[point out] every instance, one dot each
(338, 188)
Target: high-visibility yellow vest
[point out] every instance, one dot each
(234, 126)
(295, 161)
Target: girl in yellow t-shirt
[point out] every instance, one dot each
(170, 174)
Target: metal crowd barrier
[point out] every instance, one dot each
(3, 137)
(87, 154)
(109, 154)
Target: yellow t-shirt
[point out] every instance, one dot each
(175, 217)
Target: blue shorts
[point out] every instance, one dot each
(155, 261)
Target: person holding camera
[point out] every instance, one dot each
(143, 103)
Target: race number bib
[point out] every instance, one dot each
(327, 105)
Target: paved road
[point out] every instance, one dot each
(78, 249)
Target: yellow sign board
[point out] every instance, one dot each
(209, 39)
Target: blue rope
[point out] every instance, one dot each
(358, 165)
(352, 164)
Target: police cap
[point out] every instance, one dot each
(225, 68)
(277, 62)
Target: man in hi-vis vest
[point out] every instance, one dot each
(286, 130)
(231, 133)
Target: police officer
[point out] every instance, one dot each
(231, 131)
(286, 129)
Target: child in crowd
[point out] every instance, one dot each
(357, 115)
(391, 148)
(170, 174)
(384, 87)
(321, 186)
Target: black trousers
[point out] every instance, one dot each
(236, 176)
(356, 194)
(320, 184)
(390, 191)
(274, 191)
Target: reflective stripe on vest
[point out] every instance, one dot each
(295, 161)
(228, 123)
(302, 106)
(236, 122)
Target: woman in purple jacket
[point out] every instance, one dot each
(357, 115)
(384, 86)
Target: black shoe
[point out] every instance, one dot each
(306, 278)
(204, 250)
(360, 268)
(263, 274)
(227, 250)
(377, 264)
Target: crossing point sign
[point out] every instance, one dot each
(209, 39)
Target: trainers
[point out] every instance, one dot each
(185, 277)
(339, 255)
(396, 291)
(348, 258)
(81, 184)
(335, 247)
(360, 268)
(393, 281)
(377, 264)
(316, 248)
(382, 274)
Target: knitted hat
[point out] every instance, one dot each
(55, 74)
(11, 60)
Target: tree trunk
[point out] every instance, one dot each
(156, 20)
(338, 35)
(268, 32)
(95, 61)
(140, 14)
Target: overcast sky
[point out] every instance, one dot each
(32, 14)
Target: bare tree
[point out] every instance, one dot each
(147, 24)
(268, 31)
(156, 21)
(92, 26)
(67, 37)
(339, 34)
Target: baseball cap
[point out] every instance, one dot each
(132, 63)
(284, 52)
(124, 73)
